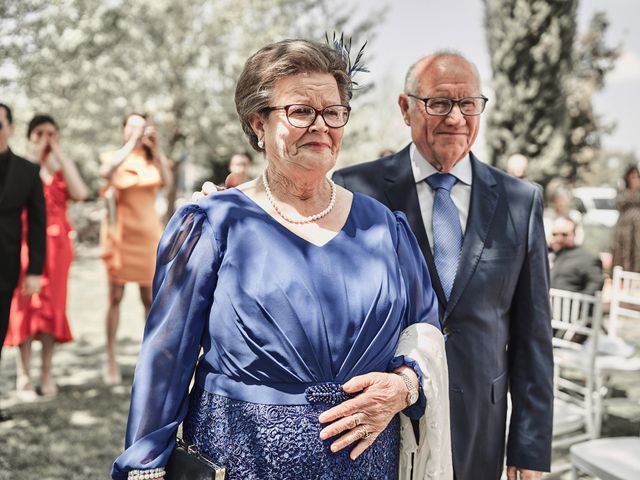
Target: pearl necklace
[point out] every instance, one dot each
(300, 220)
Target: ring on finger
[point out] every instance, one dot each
(365, 433)
(356, 419)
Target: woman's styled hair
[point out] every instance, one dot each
(279, 60)
(630, 169)
(38, 120)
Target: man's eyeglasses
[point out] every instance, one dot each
(442, 106)
(303, 116)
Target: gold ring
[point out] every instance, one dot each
(366, 433)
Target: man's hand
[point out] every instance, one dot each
(31, 285)
(207, 188)
(515, 473)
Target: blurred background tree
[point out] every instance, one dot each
(544, 80)
(530, 44)
(90, 62)
(593, 60)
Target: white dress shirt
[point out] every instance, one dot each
(460, 193)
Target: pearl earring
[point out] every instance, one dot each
(260, 143)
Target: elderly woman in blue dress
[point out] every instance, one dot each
(296, 291)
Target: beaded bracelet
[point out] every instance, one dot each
(146, 474)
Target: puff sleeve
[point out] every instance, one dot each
(183, 288)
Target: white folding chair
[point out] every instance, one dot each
(615, 458)
(576, 322)
(616, 362)
(625, 298)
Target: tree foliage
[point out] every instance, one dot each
(544, 80)
(593, 60)
(530, 43)
(89, 62)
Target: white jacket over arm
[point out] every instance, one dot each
(431, 458)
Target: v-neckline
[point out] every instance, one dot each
(49, 181)
(294, 234)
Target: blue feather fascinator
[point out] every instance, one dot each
(344, 50)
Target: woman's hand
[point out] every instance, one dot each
(54, 146)
(150, 139)
(41, 150)
(137, 132)
(76, 187)
(52, 154)
(363, 418)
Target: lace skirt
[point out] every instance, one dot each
(258, 442)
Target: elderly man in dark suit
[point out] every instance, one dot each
(482, 236)
(20, 188)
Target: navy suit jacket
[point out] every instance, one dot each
(497, 318)
(22, 189)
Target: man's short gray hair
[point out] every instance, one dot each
(412, 80)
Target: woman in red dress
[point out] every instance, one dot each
(43, 316)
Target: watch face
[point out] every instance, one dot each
(413, 397)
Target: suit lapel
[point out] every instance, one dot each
(402, 195)
(484, 199)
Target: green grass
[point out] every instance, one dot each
(79, 433)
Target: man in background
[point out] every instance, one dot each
(239, 168)
(573, 269)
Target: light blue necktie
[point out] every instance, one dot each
(447, 232)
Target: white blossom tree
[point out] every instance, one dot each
(89, 62)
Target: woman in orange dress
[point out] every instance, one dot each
(132, 228)
(43, 316)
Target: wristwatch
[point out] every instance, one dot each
(412, 396)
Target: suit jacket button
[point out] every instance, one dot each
(446, 331)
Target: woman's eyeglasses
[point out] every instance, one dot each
(303, 116)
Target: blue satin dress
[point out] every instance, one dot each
(282, 323)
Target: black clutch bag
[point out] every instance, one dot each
(187, 463)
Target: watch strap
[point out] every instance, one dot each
(412, 396)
